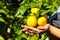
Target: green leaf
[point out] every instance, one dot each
(40, 2)
(28, 38)
(32, 4)
(49, 6)
(1, 38)
(1, 3)
(52, 9)
(47, 38)
(19, 16)
(43, 36)
(2, 20)
(18, 37)
(34, 37)
(18, 32)
(44, 12)
(45, 4)
(2, 11)
(20, 11)
(46, 1)
(24, 35)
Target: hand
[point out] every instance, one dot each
(30, 30)
(43, 28)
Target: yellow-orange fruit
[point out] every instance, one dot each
(32, 21)
(42, 21)
(35, 10)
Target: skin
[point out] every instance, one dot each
(53, 30)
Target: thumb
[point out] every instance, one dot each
(43, 27)
(40, 28)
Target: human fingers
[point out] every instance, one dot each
(38, 31)
(35, 31)
(30, 32)
(23, 26)
(26, 32)
(30, 28)
(25, 29)
(40, 28)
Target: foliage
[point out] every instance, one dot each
(13, 13)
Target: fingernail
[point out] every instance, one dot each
(23, 30)
(21, 25)
(26, 32)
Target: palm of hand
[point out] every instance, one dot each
(32, 30)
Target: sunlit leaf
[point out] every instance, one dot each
(44, 12)
(43, 36)
(1, 38)
(9, 30)
(2, 20)
(2, 11)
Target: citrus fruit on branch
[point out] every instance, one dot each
(32, 21)
(42, 21)
(35, 10)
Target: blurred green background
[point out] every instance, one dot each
(13, 13)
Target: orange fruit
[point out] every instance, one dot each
(42, 21)
(35, 10)
(32, 21)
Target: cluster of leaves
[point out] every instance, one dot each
(13, 13)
